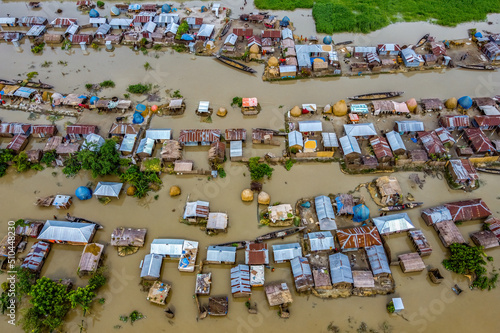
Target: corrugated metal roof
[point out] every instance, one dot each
(330, 139)
(167, 247)
(409, 126)
(393, 223)
(349, 145)
(128, 143)
(271, 34)
(236, 134)
(236, 149)
(365, 49)
(454, 121)
(159, 133)
(151, 266)
(388, 48)
(149, 27)
(286, 33)
(295, 138)
(221, 254)
(380, 147)
(480, 142)
(103, 29)
(63, 21)
(240, 279)
(43, 129)
(98, 20)
(364, 129)
(431, 142)
(167, 18)
(321, 240)
(206, 30)
(357, 237)
(288, 69)
(463, 173)
(378, 259)
(61, 200)
(280, 212)
(72, 29)
(302, 273)
(36, 30)
(436, 214)
(194, 20)
(120, 22)
(24, 92)
(231, 39)
(108, 189)
(311, 126)
(32, 20)
(467, 210)
(284, 252)
(340, 268)
(35, 258)
(8, 20)
(197, 209)
(146, 146)
(81, 129)
(17, 142)
(172, 27)
(199, 135)
(395, 140)
(256, 254)
(217, 221)
(67, 231)
(324, 209)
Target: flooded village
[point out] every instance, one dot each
(248, 202)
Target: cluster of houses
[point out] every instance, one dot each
(155, 23)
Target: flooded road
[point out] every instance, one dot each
(428, 307)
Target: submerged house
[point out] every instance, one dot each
(78, 132)
(128, 237)
(221, 255)
(478, 141)
(167, 248)
(325, 212)
(388, 49)
(36, 257)
(396, 143)
(151, 266)
(492, 51)
(411, 59)
(485, 238)
(43, 131)
(91, 257)
(394, 223)
(108, 189)
(302, 274)
(462, 172)
(62, 232)
(217, 222)
(195, 137)
(286, 252)
(448, 233)
(411, 262)
(320, 241)
(486, 123)
(378, 260)
(256, 254)
(389, 189)
(277, 293)
(121, 129)
(358, 237)
(240, 281)
(381, 149)
(18, 143)
(196, 209)
(340, 270)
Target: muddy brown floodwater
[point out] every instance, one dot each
(428, 307)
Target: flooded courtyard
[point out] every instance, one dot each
(428, 307)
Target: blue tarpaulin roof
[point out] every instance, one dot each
(361, 213)
(166, 8)
(465, 102)
(140, 107)
(187, 37)
(93, 99)
(93, 13)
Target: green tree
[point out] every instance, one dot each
(259, 170)
(82, 297)
(71, 166)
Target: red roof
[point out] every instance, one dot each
(14, 128)
(81, 129)
(148, 7)
(199, 135)
(256, 254)
(142, 18)
(243, 32)
(468, 210)
(358, 237)
(431, 142)
(455, 121)
(17, 143)
(254, 40)
(62, 21)
(381, 147)
(494, 226)
(77, 39)
(479, 142)
(43, 129)
(271, 34)
(236, 134)
(487, 121)
(438, 48)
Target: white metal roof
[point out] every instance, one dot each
(231, 39)
(166, 18)
(286, 33)
(321, 240)
(349, 145)
(172, 27)
(221, 254)
(295, 138)
(197, 209)
(203, 106)
(206, 30)
(60, 200)
(108, 189)
(72, 29)
(149, 27)
(128, 143)
(93, 142)
(284, 252)
(410, 126)
(330, 139)
(395, 140)
(235, 149)
(120, 22)
(340, 268)
(288, 69)
(363, 129)
(146, 145)
(159, 133)
(7, 20)
(167, 247)
(393, 223)
(217, 221)
(310, 126)
(36, 30)
(98, 20)
(151, 266)
(67, 231)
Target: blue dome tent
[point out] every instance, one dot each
(93, 13)
(285, 22)
(361, 213)
(327, 40)
(138, 118)
(83, 193)
(166, 8)
(465, 102)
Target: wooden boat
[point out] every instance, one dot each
(225, 30)
(238, 244)
(409, 205)
(347, 42)
(456, 289)
(435, 275)
(33, 5)
(422, 40)
(489, 170)
(7, 82)
(45, 201)
(31, 84)
(234, 64)
(376, 96)
(478, 67)
(279, 234)
(81, 220)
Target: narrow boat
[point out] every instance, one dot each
(31, 84)
(456, 289)
(81, 220)
(347, 42)
(234, 64)
(422, 40)
(279, 234)
(435, 275)
(408, 205)
(226, 29)
(375, 96)
(479, 67)
(7, 82)
(238, 245)
(489, 170)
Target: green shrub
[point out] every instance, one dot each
(38, 48)
(139, 88)
(259, 170)
(107, 84)
(100, 4)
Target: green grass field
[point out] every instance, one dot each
(369, 15)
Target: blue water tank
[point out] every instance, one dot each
(83, 193)
(465, 102)
(138, 118)
(327, 40)
(93, 13)
(166, 8)
(361, 213)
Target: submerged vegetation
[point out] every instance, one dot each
(139, 88)
(143, 181)
(365, 16)
(259, 170)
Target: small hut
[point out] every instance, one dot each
(204, 109)
(378, 260)
(171, 151)
(217, 152)
(250, 106)
(421, 244)
(9, 242)
(411, 262)
(203, 282)
(302, 274)
(62, 201)
(158, 292)
(29, 228)
(221, 255)
(389, 189)
(448, 233)
(485, 238)
(18, 143)
(91, 256)
(218, 306)
(345, 204)
(240, 281)
(257, 278)
(128, 237)
(36, 257)
(277, 293)
(217, 222)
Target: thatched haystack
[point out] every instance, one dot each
(295, 111)
(340, 108)
(247, 195)
(451, 103)
(412, 104)
(264, 198)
